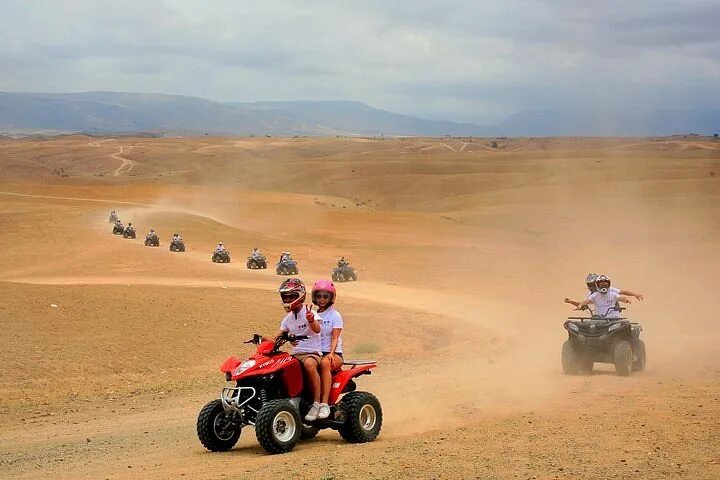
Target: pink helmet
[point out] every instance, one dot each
(292, 294)
(324, 286)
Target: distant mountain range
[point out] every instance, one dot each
(117, 112)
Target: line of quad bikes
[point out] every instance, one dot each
(256, 261)
(267, 392)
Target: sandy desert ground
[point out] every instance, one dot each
(464, 253)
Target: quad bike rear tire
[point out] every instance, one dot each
(623, 358)
(572, 362)
(639, 364)
(278, 426)
(363, 417)
(353, 275)
(335, 277)
(210, 431)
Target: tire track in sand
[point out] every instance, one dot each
(127, 164)
(151, 206)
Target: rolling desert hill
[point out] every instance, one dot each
(175, 115)
(465, 251)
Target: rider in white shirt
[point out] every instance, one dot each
(301, 320)
(331, 327)
(590, 282)
(604, 300)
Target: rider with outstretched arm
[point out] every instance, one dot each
(590, 282)
(302, 321)
(604, 299)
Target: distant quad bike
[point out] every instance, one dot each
(344, 274)
(118, 229)
(113, 217)
(152, 241)
(129, 232)
(255, 262)
(177, 246)
(267, 392)
(221, 257)
(286, 267)
(598, 338)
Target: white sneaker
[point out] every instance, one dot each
(312, 415)
(324, 411)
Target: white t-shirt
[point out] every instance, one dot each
(611, 289)
(296, 324)
(603, 302)
(330, 319)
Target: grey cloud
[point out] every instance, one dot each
(422, 56)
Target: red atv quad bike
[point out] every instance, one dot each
(266, 391)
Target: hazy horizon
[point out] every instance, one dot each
(475, 62)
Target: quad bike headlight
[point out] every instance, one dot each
(572, 326)
(244, 366)
(614, 326)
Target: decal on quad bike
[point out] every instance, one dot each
(284, 360)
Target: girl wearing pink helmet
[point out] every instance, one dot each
(331, 325)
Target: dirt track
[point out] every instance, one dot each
(464, 254)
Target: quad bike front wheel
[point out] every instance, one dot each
(623, 358)
(363, 417)
(639, 357)
(573, 362)
(215, 432)
(278, 426)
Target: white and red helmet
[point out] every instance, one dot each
(324, 286)
(602, 284)
(292, 292)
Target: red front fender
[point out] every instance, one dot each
(341, 379)
(230, 364)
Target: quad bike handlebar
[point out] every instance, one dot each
(598, 317)
(615, 308)
(279, 341)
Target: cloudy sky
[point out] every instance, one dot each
(466, 60)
